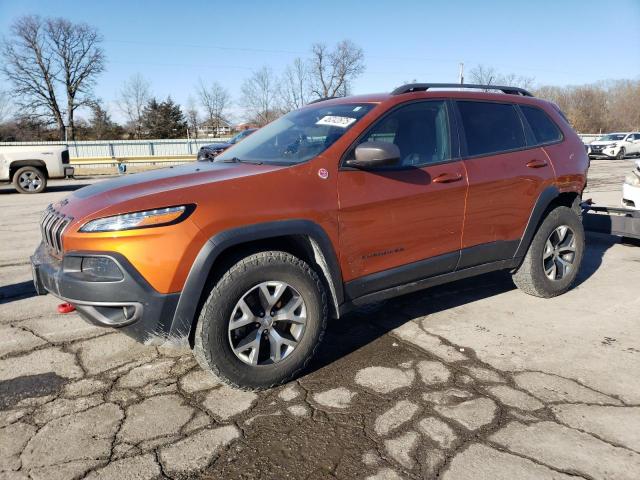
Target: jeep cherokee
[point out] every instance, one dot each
(340, 203)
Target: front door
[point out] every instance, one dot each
(404, 223)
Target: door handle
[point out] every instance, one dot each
(537, 164)
(447, 178)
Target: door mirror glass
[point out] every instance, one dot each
(375, 154)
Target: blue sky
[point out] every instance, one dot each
(173, 44)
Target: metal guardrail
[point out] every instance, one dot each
(128, 148)
(587, 138)
(156, 148)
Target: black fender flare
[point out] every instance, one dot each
(16, 165)
(324, 253)
(545, 198)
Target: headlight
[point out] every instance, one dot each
(131, 221)
(613, 145)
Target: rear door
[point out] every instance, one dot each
(403, 223)
(506, 171)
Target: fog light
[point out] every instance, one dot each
(101, 269)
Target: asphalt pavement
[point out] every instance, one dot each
(471, 380)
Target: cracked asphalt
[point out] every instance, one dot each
(472, 380)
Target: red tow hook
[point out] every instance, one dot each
(66, 308)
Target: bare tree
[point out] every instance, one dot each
(81, 59)
(133, 97)
(484, 75)
(5, 106)
(294, 87)
(623, 105)
(588, 109)
(45, 56)
(333, 71)
(31, 67)
(215, 100)
(259, 96)
(192, 116)
(605, 106)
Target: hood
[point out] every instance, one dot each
(172, 182)
(604, 142)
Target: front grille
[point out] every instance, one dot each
(52, 226)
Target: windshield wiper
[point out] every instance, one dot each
(240, 160)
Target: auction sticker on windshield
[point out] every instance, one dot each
(334, 121)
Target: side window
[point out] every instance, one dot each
(420, 130)
(491, 127)
(543, 127)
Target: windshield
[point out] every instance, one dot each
(240, 136)
(297, 136)
(613, 136)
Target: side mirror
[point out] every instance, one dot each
(375, 154)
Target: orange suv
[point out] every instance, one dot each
(340, 203)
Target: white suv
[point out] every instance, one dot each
(615, 145)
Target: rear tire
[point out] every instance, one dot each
(553, 260)
(237, 296)
(30, 180)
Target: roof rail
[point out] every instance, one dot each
(421, 87)
(320, 100)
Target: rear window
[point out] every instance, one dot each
(491, 127)
(544, 130)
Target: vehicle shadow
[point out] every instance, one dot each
(50, 189)
(597, 246)
(16, 291)
(368, 323)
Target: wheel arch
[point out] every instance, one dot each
(18, 164)
(302, 238)
(550, 198)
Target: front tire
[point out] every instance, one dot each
(553, 260)
(621, 154)
(30, 180)
(262, 322)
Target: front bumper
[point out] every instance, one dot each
(631, 196)
(604, 152)
(129, 304)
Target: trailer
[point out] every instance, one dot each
(622, 222)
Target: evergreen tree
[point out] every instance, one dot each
(163, 120)
(101, 127)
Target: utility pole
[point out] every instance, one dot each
(461, 73)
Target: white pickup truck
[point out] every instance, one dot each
(29, 167)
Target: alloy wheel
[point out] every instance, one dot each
(267, 323)
(559, 253)
(30, 181)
